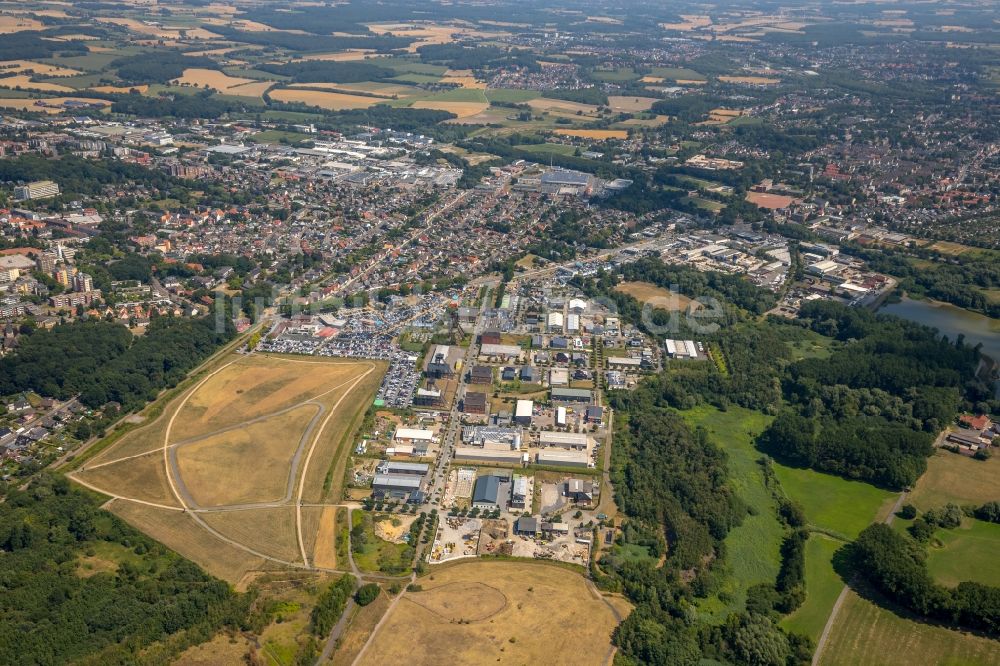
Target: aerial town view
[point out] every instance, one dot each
(584, 332)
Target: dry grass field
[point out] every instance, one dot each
(361, 627)
(340, 56)
(330, 453)
(460, 109)
(254, 460)
(12, 24)
(560, 105)
(630, 104)
(954, 478)
(270, 531)
(324, 549)
(39, 68)
(647, 292)
(325, 100)
(143, 478)
(481, 612)
(180, 532)
(141, 89)
(252, 435)
(950, 248)
(867, 635)
(252, 388)
(770, 201)
(222, 649)
(24, 82)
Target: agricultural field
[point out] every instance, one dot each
(479, 612)
(331, 101)
(51, 105)
(460, 109)
(866, 634)
(750, 80)
(219, 474)
(630, 104)
(955, 478)
(223, 83)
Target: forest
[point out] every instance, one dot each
(51, 614)
(160, 67)
(673, 484)
(871, 410)
(101, 361)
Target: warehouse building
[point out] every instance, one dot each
(572, 441)
(560, 458)
(490, 456)
(491, 492)
(523, 411)
(500, 351)
(571, 395)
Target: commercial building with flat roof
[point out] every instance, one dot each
(564, 440)
(392, 467)
(523, 411)
(396, 483)
(561, 458)
(571, 395)
(492, 456)
(502, 351)
(413, 435)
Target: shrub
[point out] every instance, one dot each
(367, 593)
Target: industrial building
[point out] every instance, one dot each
(491, 456)
(491, 492)
(571, 395)
(523, 412)
(519, 497)
(475, 403)
(575, 441)
(396, 485)
(500, 351)
(560, 458)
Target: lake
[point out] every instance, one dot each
(951, 321)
